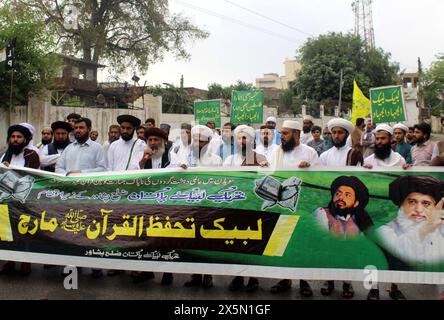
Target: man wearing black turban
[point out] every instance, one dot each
(416, 235)
(345, 215)
(17, 154)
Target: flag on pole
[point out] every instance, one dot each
(361, 105)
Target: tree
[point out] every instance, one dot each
(121, 33)
(217, 91)
(323, 59)
(433, 86)
(174, 99)
(35, 66)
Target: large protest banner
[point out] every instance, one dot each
(247, 107)
(310, 224)
(387, 104)
(207, 110)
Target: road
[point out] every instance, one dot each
(48, 285)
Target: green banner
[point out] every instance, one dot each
(205, 111)
(247, 107)
(387, 104)
(327, 224)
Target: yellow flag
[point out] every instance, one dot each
(361, 105)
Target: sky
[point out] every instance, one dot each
(408, 29)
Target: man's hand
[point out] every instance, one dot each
(434, 219)
(184, 166)
(406, 166)
(149, 152)
(264, 164)
(73, 172)
(304, 164)
(368, 166)
(6, 163)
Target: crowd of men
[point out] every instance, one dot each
(69, 147)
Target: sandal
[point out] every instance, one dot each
(281, 286)
(328, 288)
(304, 289)
(347, 291)
(373, 294)
(396, 295)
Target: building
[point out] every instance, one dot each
(273, 80)
(196, 94)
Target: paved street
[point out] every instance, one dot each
(48, 284)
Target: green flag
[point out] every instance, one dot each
(247, 107)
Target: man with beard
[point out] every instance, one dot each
(200, 156)
(292, 153)
(345, 217)
(113, 136)
(51, 152)
(83, 155)
(271, 124)
(47, 135)
(328, 143)
(166, 128)
(341, 154)
(416, 236)
(71, 119)
(19, 155)
(402, 147)
(267, 147)
(306, 136)
(368, 140)
(154, 156)
(424, 150)
(31, 129)
(384, 156)
(227, 148)
(125, 153)
(216, 140)
(245, 156)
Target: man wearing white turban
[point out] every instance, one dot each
(31, 129)
(271, 123)
(402, 147)
(245, 155)
(306, 135)
(384, 156)
(341, 154)
(292, 153)
(200, 155)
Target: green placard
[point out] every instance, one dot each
(247, 107)
(207, 110)
(387, 104)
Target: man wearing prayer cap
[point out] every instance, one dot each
(307, 124)
(200, 155)
(416, 235)
(401, 146)
(384, 156)
(51, 152)
(293, 154)
(125, 153)
(345, 217)
(245, 155)
(341, 154)
(47, 136)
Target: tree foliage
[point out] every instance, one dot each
(217, 91)
(35, 65)
(174, 99)
(324, 57)
(120, 33)
(433, 86)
